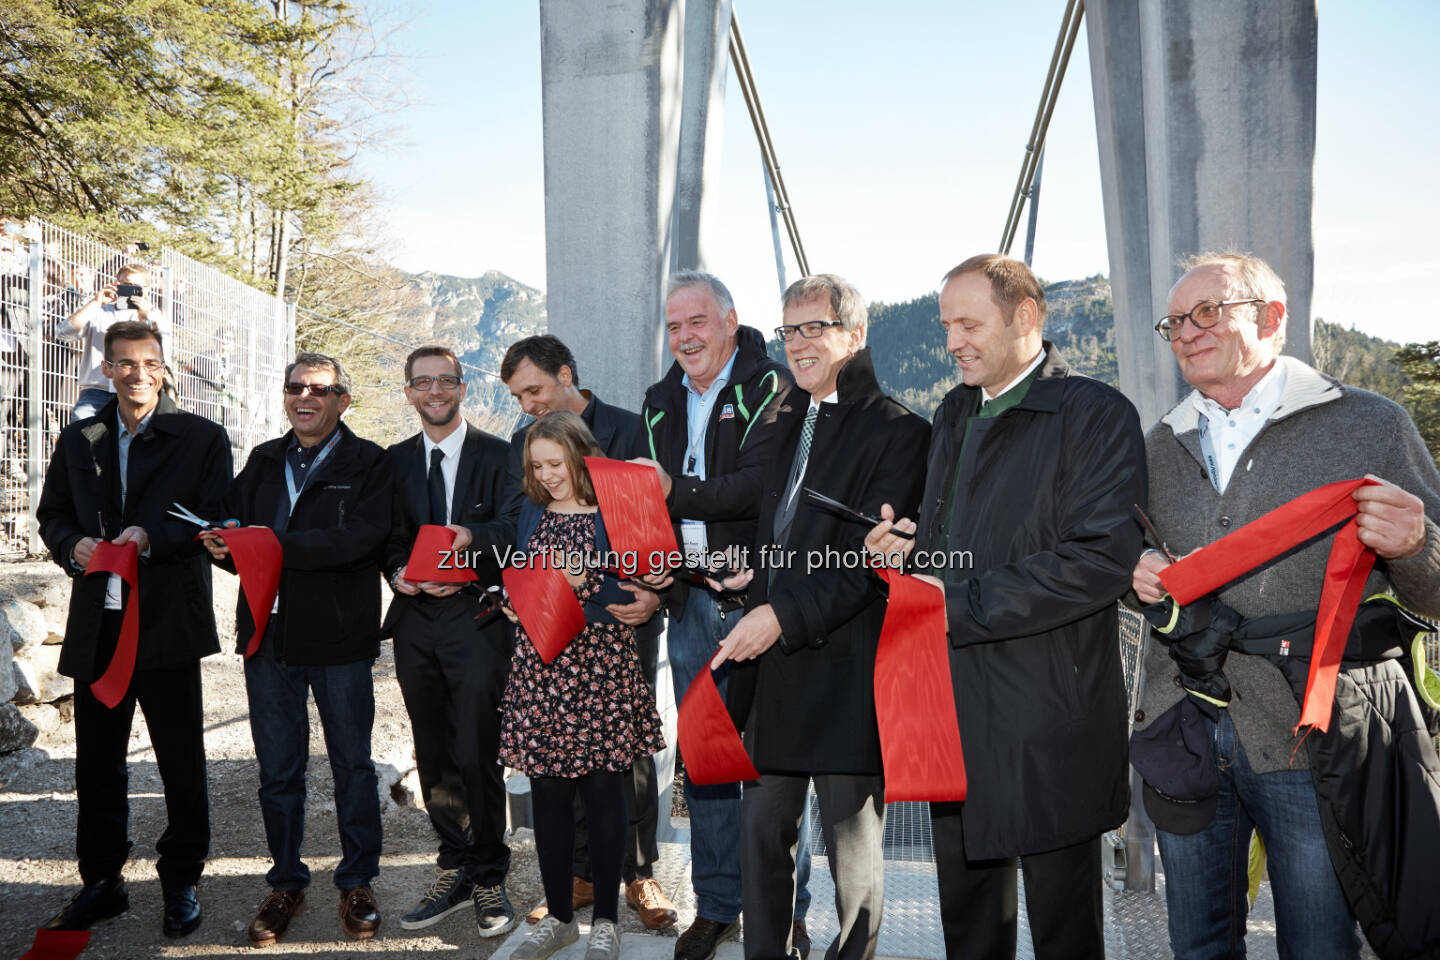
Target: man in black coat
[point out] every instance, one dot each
(813, 620)
(541, 375)
(1028, 521)
(327, 495)
(708, 428)
(115, 476)
(452, 666)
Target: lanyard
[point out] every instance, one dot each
(290, 474)
(1207, 449)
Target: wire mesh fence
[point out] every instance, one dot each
(226, 351)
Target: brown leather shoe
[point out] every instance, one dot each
(359, 914)
(275, 915)
(647, 897)
(582, 894)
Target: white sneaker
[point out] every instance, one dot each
(548, 936)
(604, 941)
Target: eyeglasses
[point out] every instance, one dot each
(316, 389)
(447, 382)
(127, 367)
(1204, 315)
(809, 330)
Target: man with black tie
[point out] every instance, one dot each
(452, 667)
(541, 374)
(115, 476)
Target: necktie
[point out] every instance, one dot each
(802, 453)
(436, 483)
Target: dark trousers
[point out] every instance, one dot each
(169, 697)
(280, 725)
(452, 676)
(852, 817)
(642, 788)
(979, 902)
(552, 802)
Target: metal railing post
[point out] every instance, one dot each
(35, 381)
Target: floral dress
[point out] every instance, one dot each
(589, 708)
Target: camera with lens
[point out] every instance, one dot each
(129, 296)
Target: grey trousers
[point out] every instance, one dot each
(852, 817)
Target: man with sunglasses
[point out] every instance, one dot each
(1258, 430)
(450, 659)
(114, 477)
(326, 494)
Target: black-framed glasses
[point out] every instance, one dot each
(1204, 315)
(809, 330)
(447, 382)
(315, 389)
(127, 367)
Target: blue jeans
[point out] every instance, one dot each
(89, 402)
(715, 809)
(1205, 873)
(280, 726)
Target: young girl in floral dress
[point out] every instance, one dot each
(574, 725)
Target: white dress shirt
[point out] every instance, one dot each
(450, 447)
(1230, 431)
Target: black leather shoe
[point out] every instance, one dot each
(96, 901)
(699, 941)
(182, 911)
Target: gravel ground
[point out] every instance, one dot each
(37, 831)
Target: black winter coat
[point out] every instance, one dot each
(739, 445)
(481, 487)
(616, 432)
(1044, 505)
(809, 701)
(180, 457)
(334, 544)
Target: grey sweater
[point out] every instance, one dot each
(1322, 431)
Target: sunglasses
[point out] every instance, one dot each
(294, 389)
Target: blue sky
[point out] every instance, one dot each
(900, 129)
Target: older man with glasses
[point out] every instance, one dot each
(326, 494)
(1258, 430)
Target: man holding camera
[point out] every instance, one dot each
(125, 299)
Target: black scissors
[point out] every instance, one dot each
(873, 521)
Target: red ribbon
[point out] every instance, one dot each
(1272, 535)
(124, 560)
(637, 521)
(708, 740)
(258, 559)
(57, 945)
(914, 697)
(431, 542)
(546, 606)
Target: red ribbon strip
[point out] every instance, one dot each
(914, 697)
(124, 560)
(546, 606)
(57, 945)
(1272, 535)
(708, 740)
(258, 559)
(431, 543)
(637, 521)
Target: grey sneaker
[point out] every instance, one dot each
(604, 941)
(547, 937)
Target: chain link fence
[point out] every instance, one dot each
(226, 353)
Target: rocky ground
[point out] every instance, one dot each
(37, 826)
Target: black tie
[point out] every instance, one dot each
(438, 513)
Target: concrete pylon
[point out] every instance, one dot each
(611, 95)
(702, 124)
(1205, 116)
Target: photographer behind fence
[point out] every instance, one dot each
(128, 298)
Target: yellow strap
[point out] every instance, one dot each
(1174, 616)
(1257, 864)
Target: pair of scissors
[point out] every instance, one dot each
(836, 504)
(189, 516)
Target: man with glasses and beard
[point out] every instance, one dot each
(326, 494)
(452, 666)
